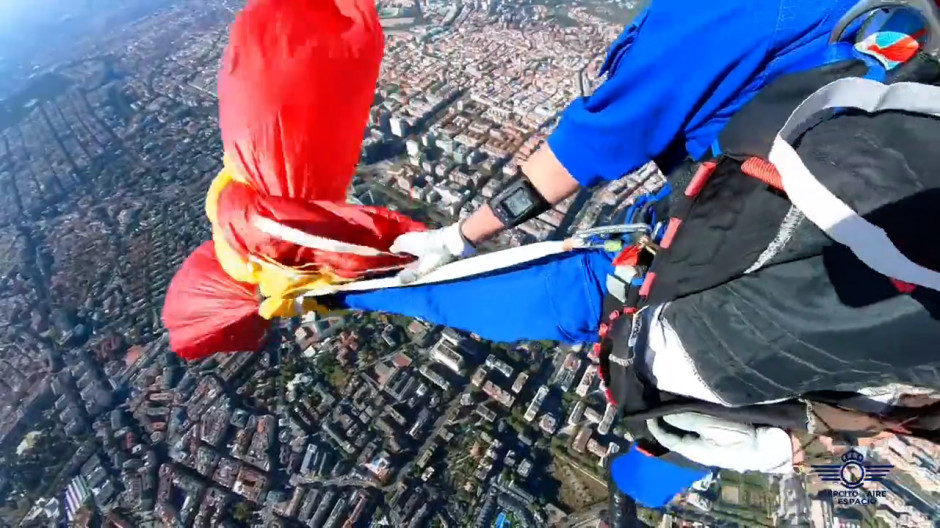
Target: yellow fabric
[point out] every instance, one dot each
(227, 175)
(280, 285)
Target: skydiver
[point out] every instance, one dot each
(672, 90)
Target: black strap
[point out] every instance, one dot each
(920, 68)
(789, 414)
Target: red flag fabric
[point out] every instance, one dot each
(295, 88)
(297, 81)
(206, 311)
(375, 227)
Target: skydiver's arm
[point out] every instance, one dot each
(670, 78)
(681, 60)
(547, 175)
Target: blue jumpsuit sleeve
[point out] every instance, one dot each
(680, 60)
(558, 298)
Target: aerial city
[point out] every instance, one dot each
(109, 141)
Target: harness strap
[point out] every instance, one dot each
(837, 219)
(764, 171)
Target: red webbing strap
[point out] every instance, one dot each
(764, 171)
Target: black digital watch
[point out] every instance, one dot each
(517, 202)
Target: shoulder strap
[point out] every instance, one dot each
(837, 219)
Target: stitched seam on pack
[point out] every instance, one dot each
(784, 331)
(790, 222)
(745, 365)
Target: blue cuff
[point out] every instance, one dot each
(651, 481)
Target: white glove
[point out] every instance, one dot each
(433, 249)
(725, 444)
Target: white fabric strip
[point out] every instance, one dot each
(296, 236)
(867, 241)
(460, 269)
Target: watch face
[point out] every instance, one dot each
(518, 203)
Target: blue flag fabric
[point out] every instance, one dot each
(651, 481)
(557, 298)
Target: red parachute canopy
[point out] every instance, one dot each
(295, 88)
(206, 311)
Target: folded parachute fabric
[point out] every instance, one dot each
(295, 88)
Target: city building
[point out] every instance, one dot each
(498, 394)
(587, 380)
(478, 377)
(434, 377)
(521, 379)
(445, 353)
(548, 424)
(536, 403)
(570, 367)
(497, 364)
(610, 413)
(581, 439)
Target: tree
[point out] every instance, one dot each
(242, 512)
(515, 356)
(338, 378)
(486, 427)
(569, 398)
(326, 363)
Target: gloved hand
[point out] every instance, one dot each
(433, 249)
(725, 444)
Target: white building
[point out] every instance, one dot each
(576, 413)
(399, 126)
(536, 403)
(445, 353)
(587, 381)
(495, 363)
(608, 420)
(413, 148)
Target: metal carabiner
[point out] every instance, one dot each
(581, 239)
(927, 10)
(619, 229)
